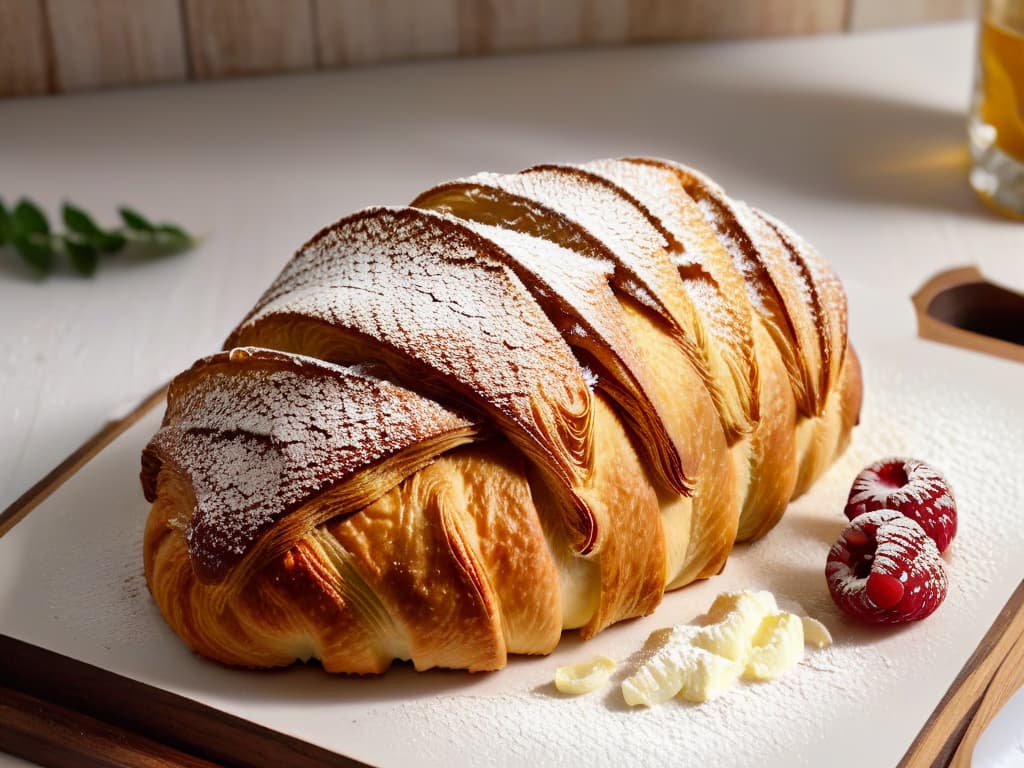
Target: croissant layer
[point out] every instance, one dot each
(527, 403)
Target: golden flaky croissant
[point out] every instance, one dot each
(527, 403)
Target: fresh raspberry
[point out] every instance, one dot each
(885, 569)
(912, 487)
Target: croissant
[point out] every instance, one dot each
(525, 403)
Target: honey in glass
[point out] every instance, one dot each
(996, 123)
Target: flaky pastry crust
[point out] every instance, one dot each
(524, 404)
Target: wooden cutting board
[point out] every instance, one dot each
(89, 674)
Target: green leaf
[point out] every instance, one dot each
(82, 224)
(6, 225)
(135, 221)
(173, 236)
(107, 242)
(38, 253)
(84, 241)
(29, 219)
(83, 256)
(77, 220)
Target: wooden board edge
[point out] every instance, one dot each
(118, 703)
(933, 329)
(35, 495)
(1006, 681)
(35, 729)
(943, 733)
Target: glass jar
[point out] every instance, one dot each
(996, 121)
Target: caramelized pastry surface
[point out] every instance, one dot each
(527, 403)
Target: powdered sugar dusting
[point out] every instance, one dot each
(773, 283)
(827, 297)
(912, 487)
(830, 289)
(927, 486)
(774, 254)
(625, 230)
(755, 276)
(259, 433)
(710, 279)
(719, 292)
(902, 550)
(512, 718)
(573, 289)
(579, 282)
(732, 730)
(445, 315)
(891, 554)
(613, 218)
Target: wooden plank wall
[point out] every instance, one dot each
(55, 46)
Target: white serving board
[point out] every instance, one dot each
(71, 582)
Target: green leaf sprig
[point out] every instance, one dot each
(27, 230)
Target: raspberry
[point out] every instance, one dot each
(912, 487)
(885, 569)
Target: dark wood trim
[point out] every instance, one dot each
(31, 498)
(47, 733)
(109, 706)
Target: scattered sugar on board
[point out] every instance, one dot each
(103, 599)
(736, 729)
(114, 594)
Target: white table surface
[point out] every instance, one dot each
(856, 141)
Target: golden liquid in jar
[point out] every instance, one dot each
(1001, 105)
(995, 127)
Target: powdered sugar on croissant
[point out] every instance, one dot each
(528, 403)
